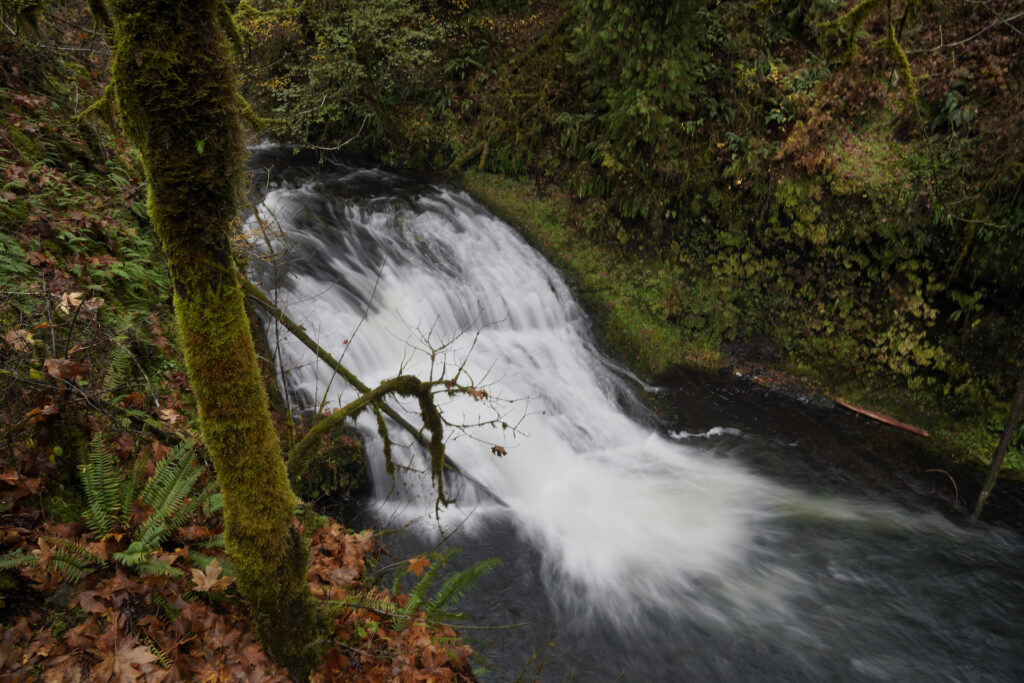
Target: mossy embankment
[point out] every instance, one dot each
(623, 294)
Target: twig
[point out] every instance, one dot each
(343, 144)
(956, 491)
(943, 46)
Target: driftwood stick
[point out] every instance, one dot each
(883, 418)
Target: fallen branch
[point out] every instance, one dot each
(254, 294)
(883, 418)
(403, 385)
(370, 397)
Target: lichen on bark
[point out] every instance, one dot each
(175, 90)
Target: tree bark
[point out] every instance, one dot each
(175, 88)
(1004, 446)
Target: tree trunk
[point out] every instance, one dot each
(175, 89)
(1004, 446)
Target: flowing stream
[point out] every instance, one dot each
(714, 543)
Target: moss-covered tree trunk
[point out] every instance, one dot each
(175, 89)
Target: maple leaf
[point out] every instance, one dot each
(122, 666)
(42, 414)
(344, 575)
(418, 564)
(141, 512)
(19, 340)
(169, 415)
(64, 669)
(208, 581)
(102, 260)
(36, 259)
(87, 600)
(69, 301)
(90, 306)
(498, 451)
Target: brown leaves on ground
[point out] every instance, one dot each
(136, 629)
(367, 646)
(127, 628)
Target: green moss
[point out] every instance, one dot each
(24, 145)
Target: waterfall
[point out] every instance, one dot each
(387, 282)
(654, 551)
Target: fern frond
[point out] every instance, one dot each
(119, 369)
(160, 569)
(170, 612)
(102, 487)
(418, 593)
(73, 560)
(16, 558)
(457, 585)
(134, 555)
(132, 487)
(381, 605)
(213, 505)
(167, 492)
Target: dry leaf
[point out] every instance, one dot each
(169, 415)
(208, 580)
(87, 600)
(418, 564)
(62, 368)
(19, 340)
(69, 301)
(121, 666)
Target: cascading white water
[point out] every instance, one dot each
(613, 506)
(663, 557)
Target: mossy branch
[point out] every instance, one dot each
(100, 13)
(103, 108)
(230, 28)
(853, 20)
(255, 295)
(257, 122)
(402, 385)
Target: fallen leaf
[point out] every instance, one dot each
(69, 301)
(169, 415)
(19, 340)
(208, 580)
(102, 260)
(36, 259)
(160, 451)
(88, 602)
(418, 564)
(141, 512)
(62, 368)
(122, 666)
(90, 306)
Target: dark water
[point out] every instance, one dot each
(702, 530)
